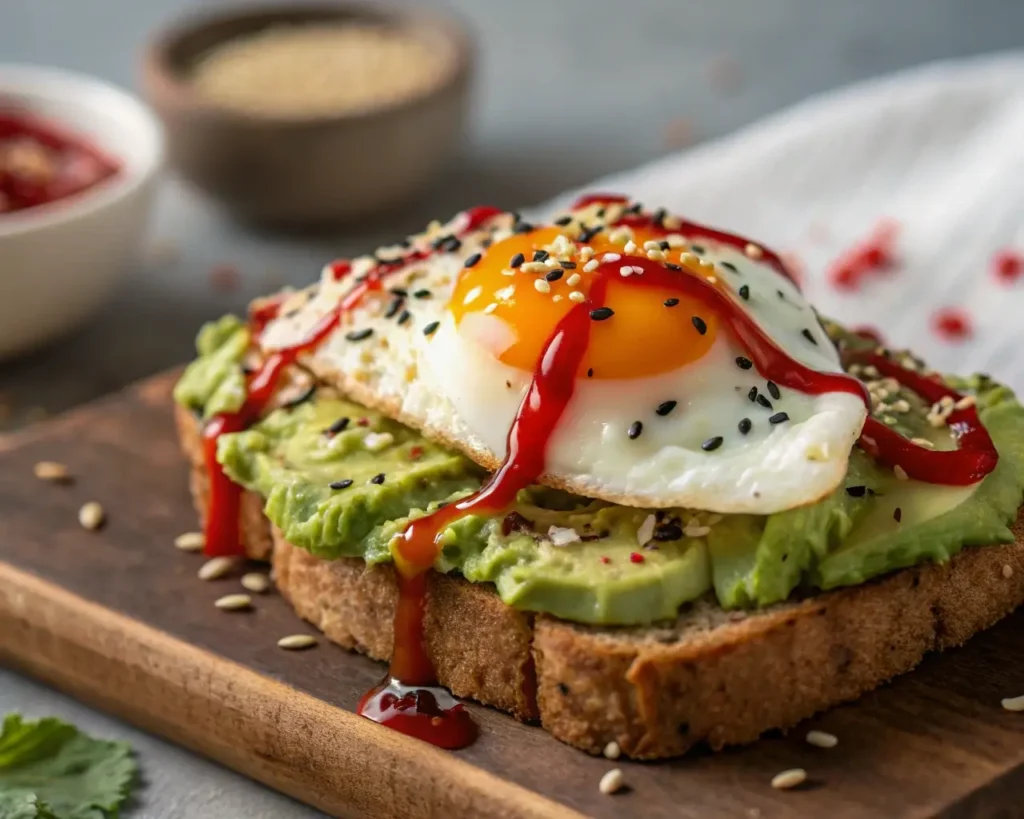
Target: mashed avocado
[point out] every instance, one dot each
(341, 480)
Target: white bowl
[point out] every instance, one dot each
(59, 262)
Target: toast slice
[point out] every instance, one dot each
(714, 677)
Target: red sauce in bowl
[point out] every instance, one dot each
(43, 162)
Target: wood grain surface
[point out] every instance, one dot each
(118, 618)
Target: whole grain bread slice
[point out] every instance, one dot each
(713, 677)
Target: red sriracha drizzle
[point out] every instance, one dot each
(405, 699)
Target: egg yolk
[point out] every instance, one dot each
(644, 337)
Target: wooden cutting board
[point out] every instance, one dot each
(118, 619)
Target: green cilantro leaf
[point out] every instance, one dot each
(50, 770)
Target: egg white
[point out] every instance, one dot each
(450, 385)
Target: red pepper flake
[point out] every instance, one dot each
(339, 268)
(605, 559)
(1008, 266)
(874, 255)
(952, 323)
(363, 422)
(415, 453)
(636, 557)
(225, 278)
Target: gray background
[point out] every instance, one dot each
(568, 90)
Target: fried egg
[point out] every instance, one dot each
(667, 408)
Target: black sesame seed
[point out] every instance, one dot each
(659, 216)
(780, 294)
(744, 292)
(698, 249)
(856, 491)
(554, 275)
(563, 221)
(540, 255)
(665, 407)
(729, 266)
(807, 334)
(590, 373)
(472, 260)
(664, 245)
(602, 313)
(399, 291)
(752, 395)
(300, 399)
(667, 532)
(431, 328)
(897, 514)
(563, 689)
(673, 266)
(422, 294)
(636, 207)
(589, 233)
(523, 227)
(378, 478)
(764, 402)
(338, 426)
(634, 430)
(517, 260)
(744, 363)
(568, 265)
(359, 335)
(700, 325)
(778, 418)
(773, 390)
(394, 307)
(343, 484)
(712, 444)
(404, 317)
(671, 302)
(744, 425)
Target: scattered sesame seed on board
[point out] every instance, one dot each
(91, 516)
(52, 471)
(233, 602)
(297, 642)
(900, 473)
(753, 251)
(255, 582)
(1007, 571)
(1014, 703)
(215, 568)
(786, 780)
(822, 739)
(611, 782)
(190, 541)
(612, 750)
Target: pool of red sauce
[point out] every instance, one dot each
(408, 699)
(55, 163)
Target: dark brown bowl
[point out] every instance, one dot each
(317, 171)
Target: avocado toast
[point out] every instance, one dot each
(654, 626)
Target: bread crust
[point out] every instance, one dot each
(657, 691)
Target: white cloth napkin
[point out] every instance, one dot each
(939, 148)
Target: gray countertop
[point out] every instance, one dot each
(568, 90)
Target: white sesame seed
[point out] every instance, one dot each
(612, 750)
(541, 286)
(505, 293)
(675, 240)
(577, 296)
(1007, 571)
(91, 516)
(574, 279)
(611, 257)
(233, 602)
(508, 272)
(215, 568)
(656, 255)
(378, 441)
(652, 245)
(900, 473)
(533, 267)
(871, 371)
(190, 541)
(966, 402)
(646, 530)
(789, 779)
(689, 258)
(696, 531)
(591, 266)
(638, 270)
(946, 401)
(822, 739)
(611, 782)
(630, 247)
(296, 642)
(556, 298)
(1014, 703)
(490, 308)
(753, 251)
(626, 270)
(923, 442)
(51, 471)
(586, 252)
(901, 406)
(711, 280)
(255, 582)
